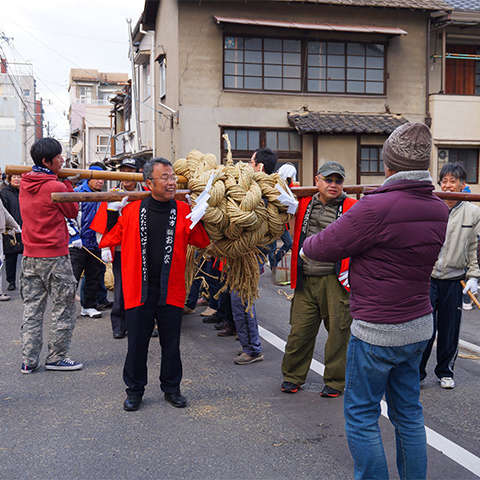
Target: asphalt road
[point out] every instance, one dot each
(238, 425)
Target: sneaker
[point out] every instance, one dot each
(208, 312)
(188, 311)
(11, 286)
(4, 298)
(330, 392)
(90, 312)
(246, 359)
(447, 382)
(26, 369)
(290, 387)
(65, 364)
(467, 306)
(202, 302)
(215, 318)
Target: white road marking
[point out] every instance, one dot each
(442, 444)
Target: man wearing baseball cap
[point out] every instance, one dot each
(321, 290)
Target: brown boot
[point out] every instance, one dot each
(227, 331)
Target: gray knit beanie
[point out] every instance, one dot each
(408, 148)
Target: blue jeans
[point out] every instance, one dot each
(371, 372)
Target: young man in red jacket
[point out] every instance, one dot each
(46, 266)
(154, 234)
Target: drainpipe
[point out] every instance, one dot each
(444, 60)
(152, 84)
(136, 137)
(428, 118)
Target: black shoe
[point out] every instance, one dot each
(106, 305)
(176, 399)
(227, 331)
(219, 326)
(215, 318)
(11, 286)
(290, 387)
(132, 403)
(119, 335)
(330, 392)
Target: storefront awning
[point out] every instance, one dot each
(311, 26)
(342, 123)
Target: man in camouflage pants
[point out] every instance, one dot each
(46, 266)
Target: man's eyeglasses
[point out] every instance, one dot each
(338, 181)
(166, 178)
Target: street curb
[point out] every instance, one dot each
(469, 346)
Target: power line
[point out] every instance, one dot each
(68, 34)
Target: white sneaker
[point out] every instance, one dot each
(208, 312)
(4, 298)
(90, 312)
(467, 306)
(447, 382)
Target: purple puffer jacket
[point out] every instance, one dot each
(393, 236)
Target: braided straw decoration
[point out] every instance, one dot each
(237, 220)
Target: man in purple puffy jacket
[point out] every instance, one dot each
(393, 236)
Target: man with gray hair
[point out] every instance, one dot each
(393, 236)
(154, 234)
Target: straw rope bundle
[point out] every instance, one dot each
(238, 221)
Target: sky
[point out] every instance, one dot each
(57, 35)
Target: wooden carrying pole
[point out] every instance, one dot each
(300, 192)
(88, 174)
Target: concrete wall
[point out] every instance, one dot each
(167, 41)
(15, 144)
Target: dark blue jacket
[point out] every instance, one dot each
(88, 210)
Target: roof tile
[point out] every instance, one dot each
(410, 4)
(342, 123)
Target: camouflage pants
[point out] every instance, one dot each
(41, 277)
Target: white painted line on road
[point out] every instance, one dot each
(444, 445)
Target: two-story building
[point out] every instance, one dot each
(315, 81)
(89, 115)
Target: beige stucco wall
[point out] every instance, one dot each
(194, 73)
(167, 41)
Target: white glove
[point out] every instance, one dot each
(107, 255)
(74, 179)
(117, 206)
(304, 257)
(472, 286)
(76, 243)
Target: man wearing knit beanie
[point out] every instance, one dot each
(393, 236)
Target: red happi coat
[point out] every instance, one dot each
(130, 230)
(341, 268)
